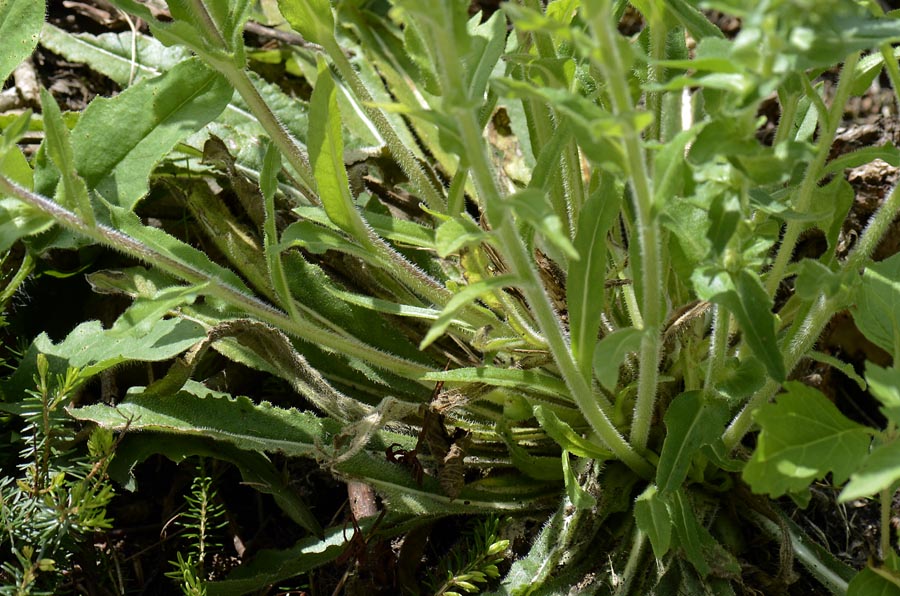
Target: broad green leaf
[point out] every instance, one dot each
(803, 437)
(580, 498)
(312, 19)
(59, 148)
(93, 349)
(877, 310)
(110, 53)
(256, 469)
(457, 233)
(20, 29)
(466, 296)
(880, 470)
(651, 514)
(116, 160)
(326, 155)
(740, 378)
(567, 438)
(724, 216)
(884, 384)
(692, 421)
(611, 352)
(584, 293)
(869, 583)
(671, 168)
(488, 41)
(503, 377)
(745, 297)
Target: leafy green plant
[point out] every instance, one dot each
(587, 227)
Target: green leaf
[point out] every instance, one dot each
(884, 384)
(689, 532)
(880, 470)
(651, 513)
(59, 148)
(803, 437)
(692, 421)
(93, 349)
(611, 352)
(567, 438)
(580, 498)
(462, 298)
(116, 159)
(312, 19)
(319, 239)
(533, 466)
(869, 583)
(584, 296)
(457, 233)
(877, 311)
(20, 29)
(110, 53)
(533, 207)
(256, 470)
(326, 155)
(503, 377)
(745, 297)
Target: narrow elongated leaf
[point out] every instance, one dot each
(580, 498)
(871, 583)
(326, 154)
(462, 298)
(689, 532)
(877, 311)
(503, 377)
(59, 148)
(745, 297)
(611, 352)
(803, 437)
(116, 160)
(567, 438)
(651, 514)
(584, 294)
(20, 28)
(692, 421)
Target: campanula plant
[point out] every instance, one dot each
(520, 263)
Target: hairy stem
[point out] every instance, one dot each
(804, 198)
(615, 74)
(249, 304)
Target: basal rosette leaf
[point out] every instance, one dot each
(20, 29)
(803, 437)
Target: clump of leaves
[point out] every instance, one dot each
(588, 227)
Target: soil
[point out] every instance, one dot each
(136, 553)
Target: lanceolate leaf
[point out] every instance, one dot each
(803, 437)
(579, 497)
(877, 312)
(611, 352)
(326, 154)
(567, 438)
(462, 298)
(584, 292)
(691, 422)
(115, 158)
(20, 27)
(745, 297)
(652, 516)
(503, 377)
